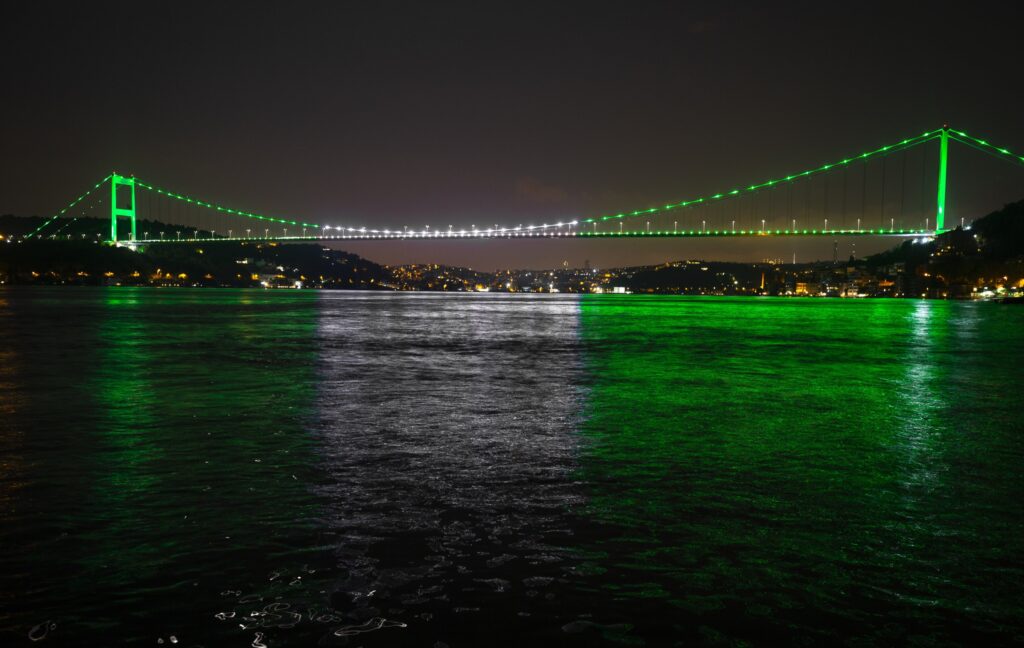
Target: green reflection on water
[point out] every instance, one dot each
(200, 456)
(795, 465)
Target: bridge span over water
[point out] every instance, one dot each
(898, 189)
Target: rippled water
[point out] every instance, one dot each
(245, 468)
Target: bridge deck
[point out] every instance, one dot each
(517, 234)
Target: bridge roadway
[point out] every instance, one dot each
(369, 235)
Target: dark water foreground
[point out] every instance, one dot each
(242, 468)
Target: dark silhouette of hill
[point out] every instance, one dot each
(990, 251)
(76, 255)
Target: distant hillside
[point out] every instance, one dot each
(18, 226)
(692, 276)
(990, 252)
(80, 259)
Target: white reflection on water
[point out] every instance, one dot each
(921, 397)
(447, 431)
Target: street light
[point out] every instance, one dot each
(161, 236)
(179, 234)
(762, 226)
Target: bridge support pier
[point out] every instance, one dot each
(117, 211)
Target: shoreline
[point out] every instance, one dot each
(1009, 298)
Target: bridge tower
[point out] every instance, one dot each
(116, 211)
(940, 210)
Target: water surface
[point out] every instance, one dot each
(295, 468)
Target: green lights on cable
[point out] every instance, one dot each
(69, 206)
(226, 210)
(964, 138)
(906, 143)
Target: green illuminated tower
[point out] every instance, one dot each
(940, 211)
(116, 211)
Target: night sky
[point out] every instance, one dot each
(392, 114)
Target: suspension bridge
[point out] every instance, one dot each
(893, 190)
